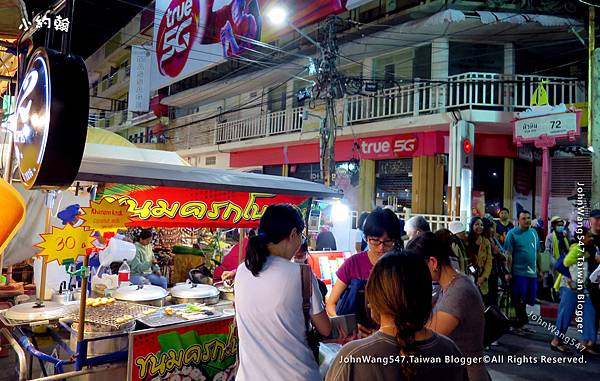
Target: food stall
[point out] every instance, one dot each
(129, 337)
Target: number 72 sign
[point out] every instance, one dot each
(560, 125)
(65, 243)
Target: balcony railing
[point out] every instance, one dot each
(118, 77)
(108, 120)
(274, 123)
(481, 91)
(464, 91)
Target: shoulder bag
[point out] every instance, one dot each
(312, 336)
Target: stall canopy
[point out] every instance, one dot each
(167, 195)
(112, 170)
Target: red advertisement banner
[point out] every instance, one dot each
(190, 35)
(203, 351)
(185, 207)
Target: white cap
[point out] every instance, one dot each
(456, 227)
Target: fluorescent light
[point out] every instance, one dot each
(591, 149)
(277, 15)
(340, 212)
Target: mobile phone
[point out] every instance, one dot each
(347, 322)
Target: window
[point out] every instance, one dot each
(482, 58)
(394, 182)
(275, 170)
(210, 160)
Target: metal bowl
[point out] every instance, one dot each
(226, 293)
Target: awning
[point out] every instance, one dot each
(107, 170)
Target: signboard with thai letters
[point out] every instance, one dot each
(139, 83)
(560, 125)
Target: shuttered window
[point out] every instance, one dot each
(567, 172)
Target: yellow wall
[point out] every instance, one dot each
(366, 185)
(428, 184)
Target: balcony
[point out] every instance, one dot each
(483, 91)
(273, 123)
(467, 91)
(112, 121)
(116, 83)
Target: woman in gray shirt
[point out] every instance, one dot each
(459, 312)
(399, 295)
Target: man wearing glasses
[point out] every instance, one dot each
(382, 232)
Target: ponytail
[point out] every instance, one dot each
(400, 287)
(405, 337)
(276, 224)
(256, 253)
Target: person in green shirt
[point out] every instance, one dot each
(144, 269)
(522, 247)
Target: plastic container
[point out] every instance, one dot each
(124, 272)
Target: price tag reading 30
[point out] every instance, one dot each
(65, 243)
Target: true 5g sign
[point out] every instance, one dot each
(51, 119)
(389, 147)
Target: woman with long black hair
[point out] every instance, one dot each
(399, 294)
(273, 343)
(479, 251)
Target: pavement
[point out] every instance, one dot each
(516, 358)
(532, 352)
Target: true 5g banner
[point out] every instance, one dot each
(190, 35)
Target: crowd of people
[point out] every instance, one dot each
(424, 297)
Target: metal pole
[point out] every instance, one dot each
(77, 373)
(21, 357)
(241, 251)
(7, 176)
(545, 186)
(50, 197)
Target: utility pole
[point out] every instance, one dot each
(329, 82)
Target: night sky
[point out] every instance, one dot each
(95, 21)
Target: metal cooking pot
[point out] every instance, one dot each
(194, 293)
(142, 294)
(101, 347)
(227, 293)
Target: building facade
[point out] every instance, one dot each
(413, 69)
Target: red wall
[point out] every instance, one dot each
(429, 143)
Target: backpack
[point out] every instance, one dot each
(353, 302)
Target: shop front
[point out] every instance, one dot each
(373, 171)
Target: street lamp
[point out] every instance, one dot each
(279, 16)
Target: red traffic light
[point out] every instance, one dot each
(467, 146)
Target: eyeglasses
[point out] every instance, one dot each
(377, 242)
(303, 238)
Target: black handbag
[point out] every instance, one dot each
(496, 325)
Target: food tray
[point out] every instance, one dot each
(159, 318)
(109, 313)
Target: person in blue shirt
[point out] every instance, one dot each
(522, 247)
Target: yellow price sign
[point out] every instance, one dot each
(65, 243)
(106, 215)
